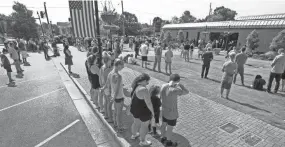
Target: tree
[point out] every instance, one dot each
(175, 20)
(132, 27)
(180, 36)
(25, 25)
(252, 41)
(187, 17)
(222, 14)
(167, 37)
(278, 41)
(157, 23)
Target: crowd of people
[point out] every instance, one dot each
(107, 91)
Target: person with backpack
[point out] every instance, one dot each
(157, 59)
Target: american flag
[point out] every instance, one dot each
(82, 18)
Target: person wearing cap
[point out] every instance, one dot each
(157, 59)
(169, 96)
(229, 69)
(278, 67)
(207, 57)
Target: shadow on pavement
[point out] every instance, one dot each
(248, 105)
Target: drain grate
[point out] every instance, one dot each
(229, 127)
(251, 139)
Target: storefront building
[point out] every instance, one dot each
(267, 26)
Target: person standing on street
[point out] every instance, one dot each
(144, 52)
(45, 49)
(157, 59)
(229, 69)
(168, 59)
(68, 58)
(191, 50)
(241, 59)
(278, 66)
(5, 63)
(137, 47)
(15, 57)
(169, 96)
(207, 57)
(186, 51)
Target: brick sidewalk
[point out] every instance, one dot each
(201, 121)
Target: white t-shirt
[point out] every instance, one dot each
(131, 60)
(144, 50)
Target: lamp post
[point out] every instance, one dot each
(98, 32)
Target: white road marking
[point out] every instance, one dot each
(57, 133)
(32, 79)
(30, 100)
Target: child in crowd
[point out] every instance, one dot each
(156, 103)
(169, 96)
(258, 83)
(229, 69)
(168, 59)
(5, 63)
(283, 80)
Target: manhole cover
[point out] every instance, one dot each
(229, 127)
(251, 139)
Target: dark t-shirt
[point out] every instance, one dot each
(187, 47)
(207, 58)
(258, 84)
(5, 60)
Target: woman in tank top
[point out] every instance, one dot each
(141, 109)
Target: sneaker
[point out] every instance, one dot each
(133, 137)
(145, 143)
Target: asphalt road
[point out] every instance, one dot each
(39, 111)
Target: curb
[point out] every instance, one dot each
(121, 141)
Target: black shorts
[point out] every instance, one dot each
(144, 58)
(169, 122)
(8, 69)
(119, 100)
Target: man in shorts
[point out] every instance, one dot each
(16, 58)
(144, 52)
(6, 64)
(169, 96)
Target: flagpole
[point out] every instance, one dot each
(98, 32)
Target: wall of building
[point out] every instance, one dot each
(265, 35)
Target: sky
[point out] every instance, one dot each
(146, 10)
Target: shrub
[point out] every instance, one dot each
(270, 55)
(167, 37)
(252, 41)
(278, 41)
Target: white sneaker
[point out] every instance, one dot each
(133, 137)
(145, 143)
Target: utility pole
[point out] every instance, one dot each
(40, 23)
(123, 18)
(46, 12)
(210, 11)
(98, 32)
